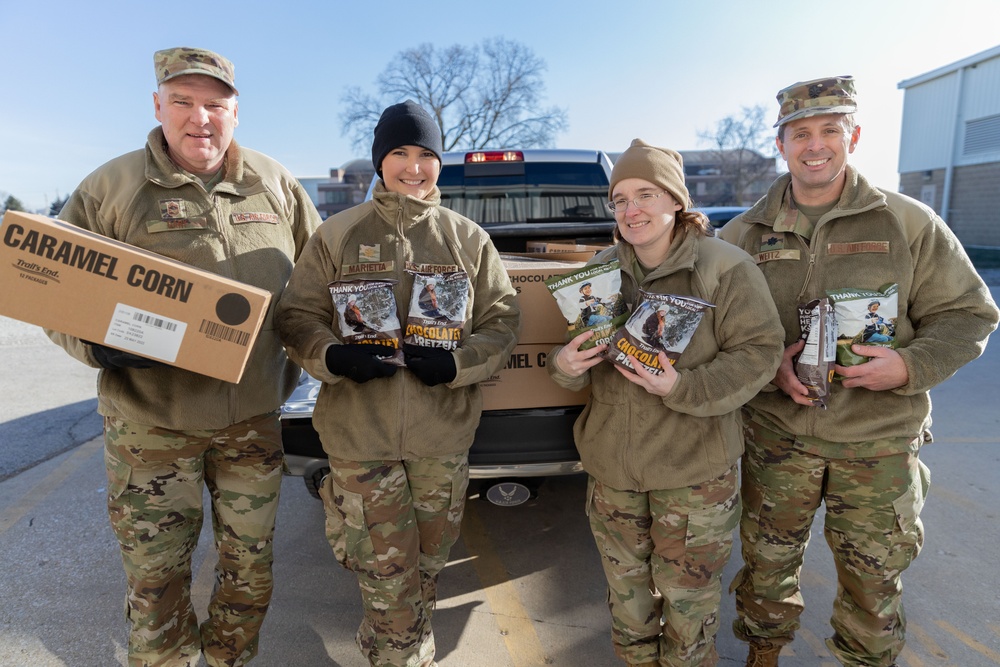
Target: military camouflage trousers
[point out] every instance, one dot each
(872, 526)
(155, 484)
(393, 523)
(663, 554)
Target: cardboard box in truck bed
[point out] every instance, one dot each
(60, 277)
(541, 320)
(524, 382)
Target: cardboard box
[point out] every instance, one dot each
(83, 284)
(562, 256)
(541, 320)
(524, 382)
(558, 247)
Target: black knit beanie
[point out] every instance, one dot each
(404, 124)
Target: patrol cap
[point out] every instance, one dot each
(811, 98)
(180, 60)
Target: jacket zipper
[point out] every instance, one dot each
(402, 385)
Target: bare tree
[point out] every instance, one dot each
(744, 148)
(481, 96)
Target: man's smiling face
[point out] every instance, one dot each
(199, 117)
(816, 150)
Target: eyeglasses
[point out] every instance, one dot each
(620, 205)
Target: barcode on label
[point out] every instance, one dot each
(157, 322)
(222, 332)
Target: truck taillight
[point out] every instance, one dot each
(495, 156)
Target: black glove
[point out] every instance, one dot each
(360, 362)
(115, 360)
(433, 365)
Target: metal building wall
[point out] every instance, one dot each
(949, 154)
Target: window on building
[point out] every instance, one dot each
(335, 196)
(928, 193)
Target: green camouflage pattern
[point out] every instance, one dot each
(393, 524)
(170, 63)
(872, 527)
(155, 484)
(663, 554)
(819, 96)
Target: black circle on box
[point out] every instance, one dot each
(232, 309)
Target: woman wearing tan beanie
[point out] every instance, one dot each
(661, 450)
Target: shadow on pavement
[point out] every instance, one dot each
(27, 441)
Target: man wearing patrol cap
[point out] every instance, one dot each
(821, 227)
(194, 195)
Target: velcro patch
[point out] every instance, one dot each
(154, 226)
(368, 267)
(242, 218)
(857, 247)
(772, 242)
(432, 268)
(771, 255)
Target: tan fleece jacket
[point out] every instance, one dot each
(398, 417)
(871, 237)
(126, 199)
(630, 439)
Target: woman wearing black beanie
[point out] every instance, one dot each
(398, 438)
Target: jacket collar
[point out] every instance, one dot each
(682, 255)
(161, 170)
(390, 205)
(858, 196)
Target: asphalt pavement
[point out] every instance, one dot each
(49, 401)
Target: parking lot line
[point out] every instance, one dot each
(49, 483)
(923, 639)
(516, 627)
(969, 641)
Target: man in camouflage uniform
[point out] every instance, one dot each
(822, 227)
(196, 196)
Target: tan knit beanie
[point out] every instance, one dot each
(659, 166)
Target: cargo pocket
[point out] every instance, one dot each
(119, 499)
(346, 528)
(908, 533)
(708, 542)
(713, 525)
(460, 486)
(591, 483)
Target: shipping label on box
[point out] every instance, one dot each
(76, 282)
(541, 319)
(524, 382)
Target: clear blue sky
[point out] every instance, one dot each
(76, 76)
